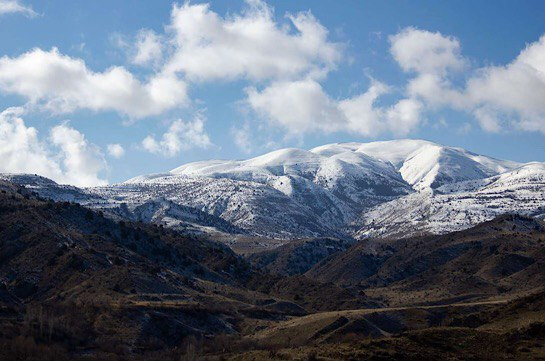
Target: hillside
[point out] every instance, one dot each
(458, 206)
(77, 278)
(298, 256)
(347, 191)
(77, 285)
(505, 256)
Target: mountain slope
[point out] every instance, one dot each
(334, 185)
(505, 256)
(424, 164)
(73, 277)
(298, 256)
(289, 193)
(75, 285)
(459, 205)
(345, 190)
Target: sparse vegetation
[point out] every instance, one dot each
(75, 285)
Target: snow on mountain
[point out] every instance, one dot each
(253, 207)
(424, 164)
(338, 190)
(49, 189)
(287, 193)
(333, 185)
(459, 205)
(147, 209)
(292, 163)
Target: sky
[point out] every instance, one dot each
(97, 92)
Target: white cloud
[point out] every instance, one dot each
(403, 117)
(243, 137)
(366, 118)
(148, 48)
(21, 151)
(515, 91)
(115, 150)
(426, 52)
(81, 160)
(248, 45)
(284, 63)
(432, 57)
(180, 136)
(362, 116)
(297, 106)
(198, 45)
(303, 106)
(15, 6)
(64, 84)
(500, 97)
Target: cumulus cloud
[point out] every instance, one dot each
(198, 45)
(15, 6)
(64, 84)
(426, 52)
(181, 135)
(432, 57)
(515, 91)
(81, 160)
(282, 64)
(498, 96)
(20, 149)
(115, 150)
(249, 45)
(65, 156)
(148, 48)
(297, 106)
(303, 106)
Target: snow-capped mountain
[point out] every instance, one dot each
(424, 164)
(288, 193)
(457, 206)
(344, 190)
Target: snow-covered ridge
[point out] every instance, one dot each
(457, 206)
(341, 190)
(420, 163)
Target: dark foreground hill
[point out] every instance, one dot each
(503, 257)
(75, 285)
(73, 279)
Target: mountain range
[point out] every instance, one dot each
(348, 191)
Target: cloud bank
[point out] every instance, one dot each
(500, 97)
(63, 84)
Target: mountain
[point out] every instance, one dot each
(77, 285)
(458, 206)
(286, 193)
(344, 191)
(70, 276)
(424, 164)
(503, 256)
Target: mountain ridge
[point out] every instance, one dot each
(341, 190)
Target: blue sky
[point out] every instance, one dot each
(237, 79)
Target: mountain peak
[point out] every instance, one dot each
(420, 163)
(343, 190)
